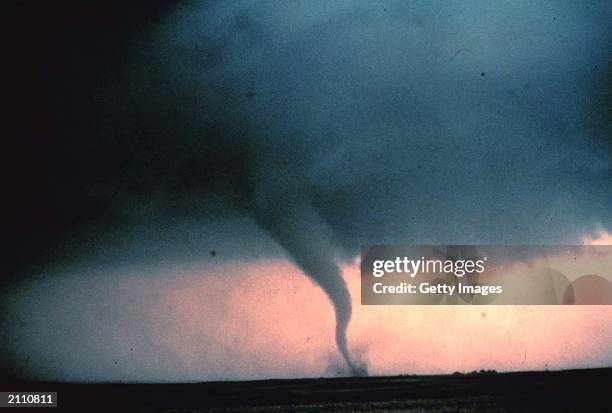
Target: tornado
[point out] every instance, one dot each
(296, 225)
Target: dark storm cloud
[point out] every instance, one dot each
(398, 121)
(332, 125)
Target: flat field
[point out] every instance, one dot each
(588, 390)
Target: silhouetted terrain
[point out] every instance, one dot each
(572, 390)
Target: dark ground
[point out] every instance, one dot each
(572, 390)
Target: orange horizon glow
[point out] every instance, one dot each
(601, 237)
(293, 325)
(266, 319)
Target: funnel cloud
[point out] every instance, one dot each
(295, 224)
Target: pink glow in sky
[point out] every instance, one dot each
(264, 318)
(602, 237)
(275, 320)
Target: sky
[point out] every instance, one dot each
(228, 319)
(192, 200)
